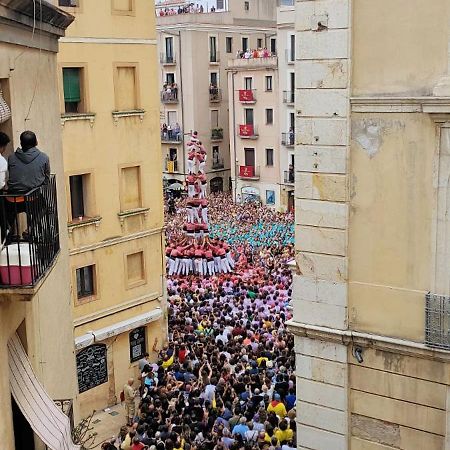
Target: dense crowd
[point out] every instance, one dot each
(225, 380)
(192, 8)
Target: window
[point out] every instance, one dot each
(269, 81)
(170, 78)
(79, 201)
(269, 157)
(214, 118)
(213, 49)
(220, 4)
(249, 155)
(171, 117)
(85, 282)
(169, 49)
(138, 345)
(229, 44)
(246, 6)
(292, 52)
(273, 46)
(248, 112)
(126, 88)
(124, 7)
(173, 154)
(270, 197)
(73, 90)
(269, 116)
(292, 81)
(215, 155)
(135, 269)
(130, 188)
(259, 43)
(68, 3)
(245, 44)
(214, 79)
(248, 83)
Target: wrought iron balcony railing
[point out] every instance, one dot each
(437, 321)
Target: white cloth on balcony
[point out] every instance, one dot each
(45, 418)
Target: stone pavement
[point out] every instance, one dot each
(106, 423)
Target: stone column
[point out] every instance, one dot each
(322, 147)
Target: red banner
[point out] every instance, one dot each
(246, 95)
(246, 130)
(246, 171)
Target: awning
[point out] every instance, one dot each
(45, 418)
(117, 328)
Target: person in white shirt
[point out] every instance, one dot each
(4, 141)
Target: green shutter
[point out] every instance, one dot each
(71, 81)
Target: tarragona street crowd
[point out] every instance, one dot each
(226, 379)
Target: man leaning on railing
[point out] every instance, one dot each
(28, 168)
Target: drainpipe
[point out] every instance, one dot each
(234, 181)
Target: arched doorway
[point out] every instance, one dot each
(216, 184)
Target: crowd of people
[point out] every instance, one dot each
(254, 54)
(169, 92)
(192, 8)
(225, 380)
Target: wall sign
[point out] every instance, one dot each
(92, 367)
(138, 345)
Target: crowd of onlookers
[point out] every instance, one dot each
(254, 54)
(184, 9)
(225, 380)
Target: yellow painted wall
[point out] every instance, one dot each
(391, 202)
(400, 47)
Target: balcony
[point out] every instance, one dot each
(290, 56)
(214, 57)
(269, 62)
(217, 134)
(288, 139)
(248, 132)
(218, 163)
(167, 60)
(247, 96)
(437, 321)
(169, 97)
(30, 239)
(289, 97)
(249, 172)
(171, 136)
(215, 95)
(171, 166)
(289, 177)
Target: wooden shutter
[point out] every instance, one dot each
(71, 81)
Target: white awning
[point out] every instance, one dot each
(127, 325)
(84, 341)
(45, 418)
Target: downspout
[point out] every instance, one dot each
(234, 181)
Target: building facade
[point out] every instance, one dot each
(35, 312)
(194, 53)
(371, 297)
(112, 158)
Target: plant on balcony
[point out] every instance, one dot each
(217, 133)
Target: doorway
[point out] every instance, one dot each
(23, 433)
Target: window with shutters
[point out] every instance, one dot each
(81, 201)
(86, 283)
(269, 157)
(73, 85)
(269, 116)
(130, 188)
(126, 87)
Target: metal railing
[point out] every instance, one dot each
(217, 134)
(247, 131)
(169, 96)
(290, 56)
(167, 59)
(288, 139)
(30, 235)
(218, 163)
(215, 95)
(289, 176)
(171, 136)
(288, 96)
(171, 166)
(214, 57)
(437, 321)
(249, 172)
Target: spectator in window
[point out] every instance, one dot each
(28, 167)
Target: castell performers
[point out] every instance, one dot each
(196, 252)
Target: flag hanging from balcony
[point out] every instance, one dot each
(246, 130)
(246, 171)
(246, 95)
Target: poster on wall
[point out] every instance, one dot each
(138, 345)
(92, 367)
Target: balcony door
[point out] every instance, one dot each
(169, 49)
(248, 116)
(171, 118)
(213, 49)
(249, 156)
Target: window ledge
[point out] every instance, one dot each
(83, 116)
(84, 222)
(130, 113)
(132, 212)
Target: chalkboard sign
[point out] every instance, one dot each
(138, 345)
(92, 367)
